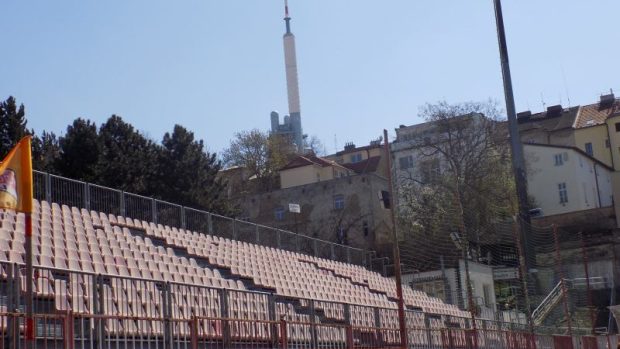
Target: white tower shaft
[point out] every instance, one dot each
(292, 84)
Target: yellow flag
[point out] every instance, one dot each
(16, 178)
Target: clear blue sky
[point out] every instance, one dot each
(216, 67)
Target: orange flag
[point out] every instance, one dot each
(16, 178)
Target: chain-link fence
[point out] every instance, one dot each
(554, 280)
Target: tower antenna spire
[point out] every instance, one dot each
(287, 17)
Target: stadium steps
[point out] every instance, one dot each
(227, 273)
(350, 279)
(203, 262)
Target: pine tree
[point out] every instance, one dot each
(79, 151)
(12, 125)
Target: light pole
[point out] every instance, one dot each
(397, 272)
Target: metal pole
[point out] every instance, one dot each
(397, 272)
(523, 272)
(558, 262)
(587, 273)
(518, 161)
(29, 279)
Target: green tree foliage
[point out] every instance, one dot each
(127, 160)
(79, 151)
(261, 154)
(179, 170)
(188, 173)
(12, 125)
(45, 152)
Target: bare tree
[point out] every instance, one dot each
(259, 152)
(461, 184)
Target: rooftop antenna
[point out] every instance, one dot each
(335, 143)
(565, 85)
(542, 100)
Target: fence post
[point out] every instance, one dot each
(313, 337)
(154, 210)
(225, 316)
(349, 324)
(348, 254)
(234, 229)
(256, 232)
(349, 330)
(279, 238)
(331, 251)
(98, 302)
(377, 327)
(87, 196)
(194, 332)
(315, 247)
(283, 334)
(183, 220)
(427, 326)
(48, 188)
(589, 290)
(168, 314)
(297, 242)
(560, 272)
(209, 223)
(271, 301)
(122, 203)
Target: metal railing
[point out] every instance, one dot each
(61, 190)
(86, 310)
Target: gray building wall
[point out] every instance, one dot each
(361, 223)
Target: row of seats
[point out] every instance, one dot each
(128, 252)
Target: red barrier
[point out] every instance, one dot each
(589, 342)
(564, 342)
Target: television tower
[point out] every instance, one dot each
(292, 83)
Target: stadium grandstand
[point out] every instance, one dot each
(108, 280)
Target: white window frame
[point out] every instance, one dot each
(338, 202)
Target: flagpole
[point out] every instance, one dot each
(29, 283)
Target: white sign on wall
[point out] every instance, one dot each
(295, 208)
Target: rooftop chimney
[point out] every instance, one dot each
(607, 101)
(524, 116)
(554, 110)
(349, 146)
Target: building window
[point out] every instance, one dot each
(365, 228)
(563, 192)
(589, 149)
(486, 289)
(558, 159)
(405, 162)
(430, 170)
(279, 214)
(617, 126)
(356, 157)
(338, 202)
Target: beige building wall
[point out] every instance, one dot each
(614, 141)
(299, 176)
(310, 174)
(597, 136)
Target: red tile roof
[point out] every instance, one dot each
(593, 114)
(365, 166)
(306, 160)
